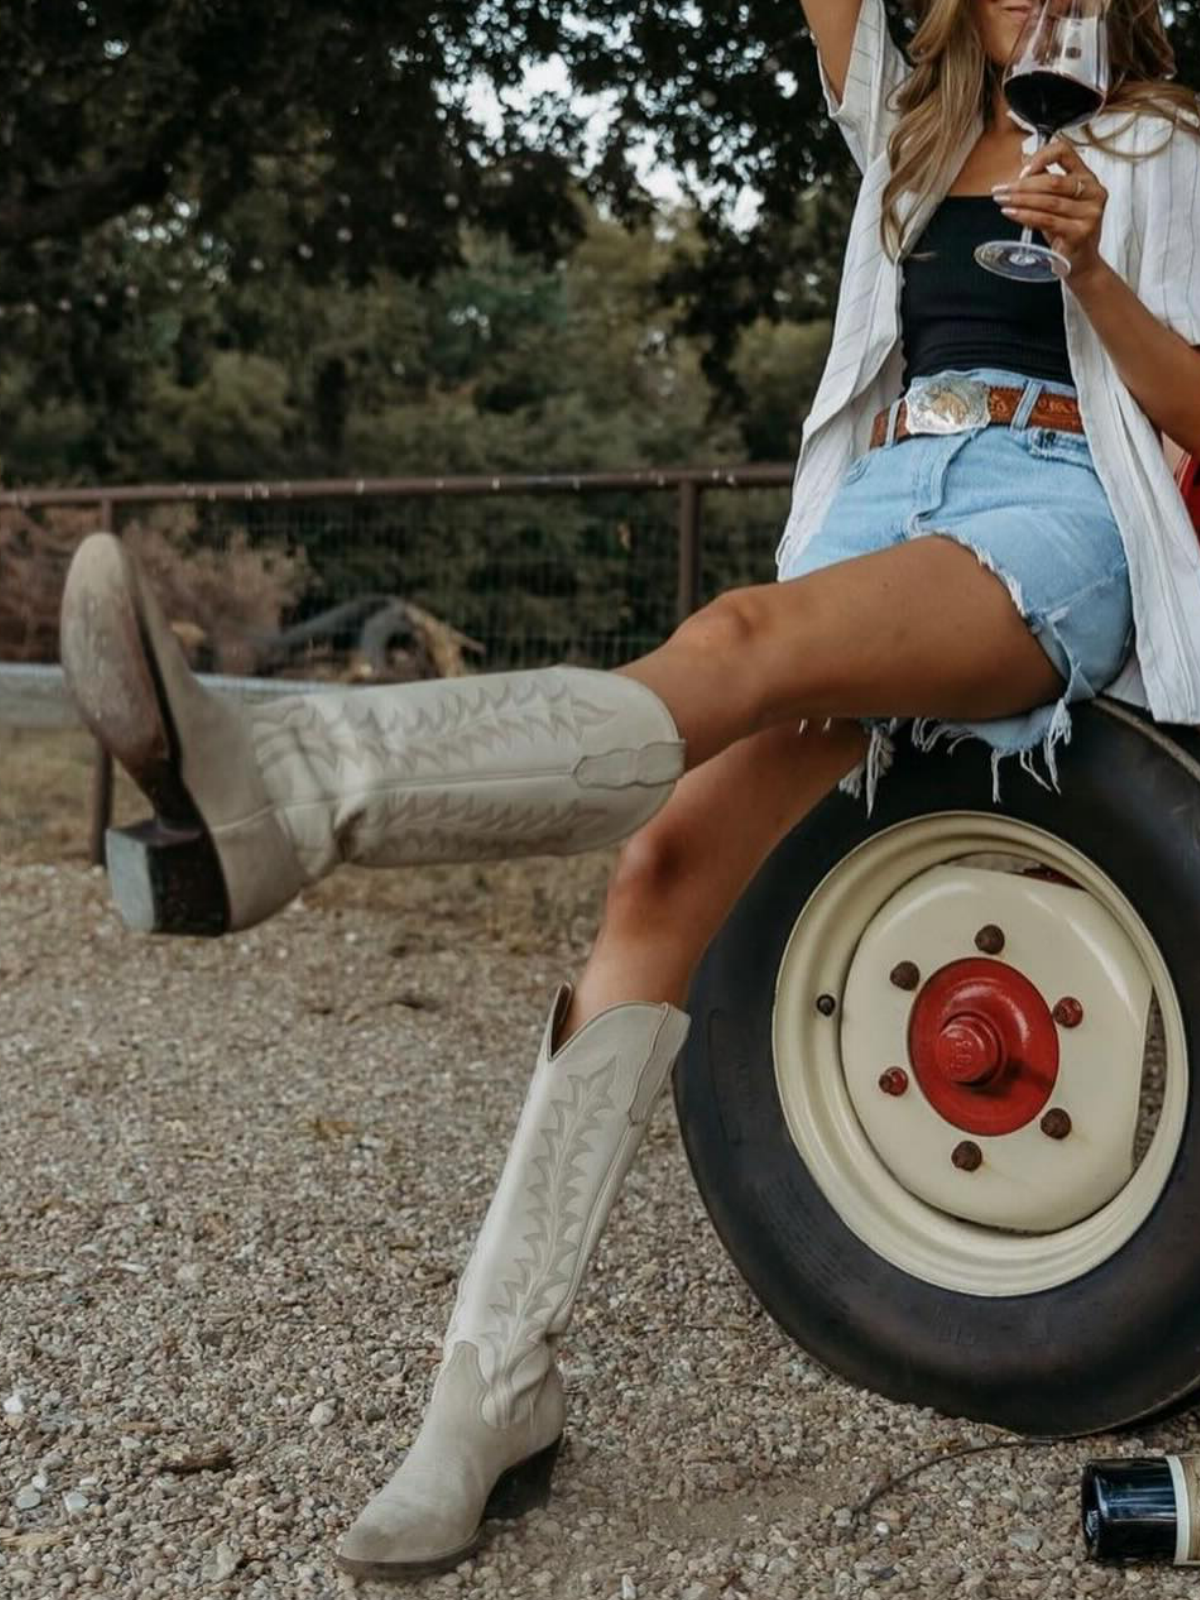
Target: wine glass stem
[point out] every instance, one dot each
(1027, 230)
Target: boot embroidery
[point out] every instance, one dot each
(465, 723)
(530, 1294)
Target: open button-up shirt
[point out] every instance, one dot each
(1150, 236)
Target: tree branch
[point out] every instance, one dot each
(86, 204)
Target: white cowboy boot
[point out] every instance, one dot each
(253, 803)
(494, 1423)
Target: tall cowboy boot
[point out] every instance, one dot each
(494, 1423)
(253, 803)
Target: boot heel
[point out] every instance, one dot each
(525, 1486)
(166, 880)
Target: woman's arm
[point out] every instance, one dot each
(832, 24)
(1160, 370)
(860, 67)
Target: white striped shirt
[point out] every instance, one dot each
(1150, 236)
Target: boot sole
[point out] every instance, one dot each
(165, 874)
(522, 1488)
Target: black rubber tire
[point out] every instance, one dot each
(1117, 1345)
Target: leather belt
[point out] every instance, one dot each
(956, 404)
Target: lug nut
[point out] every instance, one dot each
(990, 939)
(1068, 1013)
(967, 1156)
(826, 1005)
(894, 1080)
(905, 975)
(1056, 1124)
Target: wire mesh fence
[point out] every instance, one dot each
(594, 569)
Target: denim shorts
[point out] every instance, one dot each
(1027, 501)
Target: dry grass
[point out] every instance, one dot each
(518, 906)
(224, 600)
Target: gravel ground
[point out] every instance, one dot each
(241, 1178)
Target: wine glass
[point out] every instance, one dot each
(1057, 74)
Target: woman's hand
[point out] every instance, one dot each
(1067, 210)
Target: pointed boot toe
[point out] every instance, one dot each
(427, 1522)
(213, 857)
(395, 1541)
(460, 1473)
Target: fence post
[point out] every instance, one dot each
(102, 767)
(688, 593)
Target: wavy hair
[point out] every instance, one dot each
(953, 80)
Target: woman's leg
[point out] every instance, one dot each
(677, 879)
(495, 1417)
(860, 639)
(250, 805)
(918, 629)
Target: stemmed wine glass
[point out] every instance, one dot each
(1057, 74)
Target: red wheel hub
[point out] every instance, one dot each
(983, 1046)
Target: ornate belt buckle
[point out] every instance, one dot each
(946, 405)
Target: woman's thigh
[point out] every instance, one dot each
(917, 629)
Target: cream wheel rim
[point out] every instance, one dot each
(921, 1239)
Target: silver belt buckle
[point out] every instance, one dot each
(946, 405)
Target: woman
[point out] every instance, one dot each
(1014, 602)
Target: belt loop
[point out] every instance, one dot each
(893, 418)
(1030, 398)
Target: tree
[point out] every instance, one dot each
(362, 122)
(355, 115)
(343, 143)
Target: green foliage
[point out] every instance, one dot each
(503, 364)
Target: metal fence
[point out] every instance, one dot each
(594, 568)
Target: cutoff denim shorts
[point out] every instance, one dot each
(1027, 501)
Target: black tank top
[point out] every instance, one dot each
(954, 313)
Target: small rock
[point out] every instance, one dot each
(843, 1517)
(75, 1501)
(1028, 1539)
(628, 1588)
(28, 1498)
(220, 1563)
(322, 1414)
(14, 1405)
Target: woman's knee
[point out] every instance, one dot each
(731, 624)
(653, 873)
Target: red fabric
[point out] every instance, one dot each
(1187, 476)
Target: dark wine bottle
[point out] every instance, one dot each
(1142, 1508)
(1051, 100)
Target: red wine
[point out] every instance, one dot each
(1051, 100)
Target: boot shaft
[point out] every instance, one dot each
(550, 761)
(584, 1115)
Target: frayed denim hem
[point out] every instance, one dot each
(927, 731)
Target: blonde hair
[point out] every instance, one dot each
(953, 80)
